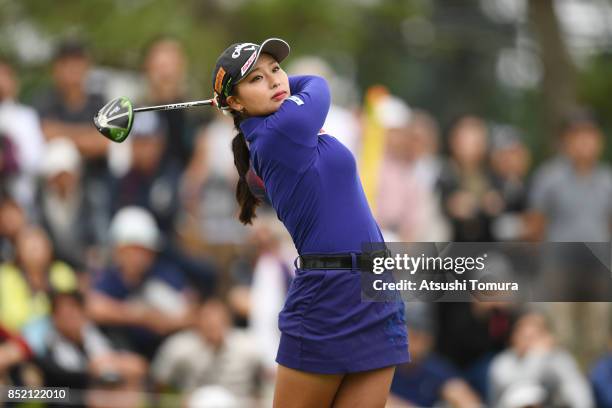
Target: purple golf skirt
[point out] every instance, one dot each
(326, 328)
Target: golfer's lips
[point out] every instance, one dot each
(279, 95)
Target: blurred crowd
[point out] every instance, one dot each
(126, 276)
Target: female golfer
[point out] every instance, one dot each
(334, 349)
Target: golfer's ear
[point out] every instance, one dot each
(234, 103)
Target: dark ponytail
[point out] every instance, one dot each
(247, 201)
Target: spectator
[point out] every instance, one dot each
(510, 161)
(407, 206)
(13, 351)
(25, 283)
(210, 354)
(64, 211)
(185, 155)
(67, 110)
(12, 220)
(470, 334)
(428, 379)
(535, 358)
(21, 125)
(423, 146)
(210, 193)
(150, 182)
(153, 184)
(140, 298)
(394, 214)
(422, 149)
(601, 378)
(559, 211)
(571, 201)
(468, 194)
(9, 166)
(272, 276)
(165, 68)
(77, 354)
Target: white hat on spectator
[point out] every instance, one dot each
(393, 113)
(61, 155)
(212, 396)
(148, 124)
(135, 226)
(523, 394)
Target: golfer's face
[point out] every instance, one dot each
(263, 91)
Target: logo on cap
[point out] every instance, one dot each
(244, 46)
(248, 63)
(219, 79)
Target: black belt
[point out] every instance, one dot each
(338, 261)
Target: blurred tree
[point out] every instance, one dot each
(595, 88)
(559, 92)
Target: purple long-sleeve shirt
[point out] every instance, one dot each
(310, 178)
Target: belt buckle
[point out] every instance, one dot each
(298, 262)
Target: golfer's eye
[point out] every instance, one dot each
(276, 68)
(256, 78)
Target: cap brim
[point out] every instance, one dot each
(276, 47)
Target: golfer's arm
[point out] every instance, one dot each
(105, 310)
(86, 138)
(301, 116)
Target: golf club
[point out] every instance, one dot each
(116, 118)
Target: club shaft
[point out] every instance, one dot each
(181, 105)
